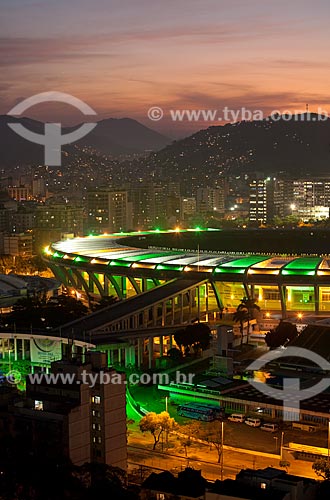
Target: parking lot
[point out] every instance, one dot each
(241, 435)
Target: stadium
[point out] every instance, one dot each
(289, 279)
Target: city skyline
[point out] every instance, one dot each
(122, 57)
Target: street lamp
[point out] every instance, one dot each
(221, 460)
(282, 440)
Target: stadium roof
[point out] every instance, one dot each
(111, 251)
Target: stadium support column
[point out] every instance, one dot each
(283, 300)
(130, 355)
(317, 298)
(247, 291)
(23, 349)
(161, 345)
(154, 315)
(181, 308)
(163, 313)
(171, 341)
(198, 303)
(150, 351)
(106, 286)
(139, 352)
(191, 299)
(206, 302)
(15, 348)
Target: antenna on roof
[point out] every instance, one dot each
(307, 108)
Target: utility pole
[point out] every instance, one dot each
(221, 459)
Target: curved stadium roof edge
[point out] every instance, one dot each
(112, 253)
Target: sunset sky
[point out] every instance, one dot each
(124, 56)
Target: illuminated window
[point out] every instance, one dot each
(96, 400)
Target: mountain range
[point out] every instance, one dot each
(299, 146)
(110, 137)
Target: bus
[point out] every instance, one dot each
(305, 452)
(200, 411)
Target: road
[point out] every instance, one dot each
(203, 457)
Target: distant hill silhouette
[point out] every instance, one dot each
(124, 135)
(111, 136)
(297, 147)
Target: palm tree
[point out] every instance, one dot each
(240, 316)
(245, 311)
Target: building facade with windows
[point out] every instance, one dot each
(83, 418)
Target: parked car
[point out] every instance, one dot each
(237, 417)
(269, 427)
(253, 422)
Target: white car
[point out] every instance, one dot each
(253, 422)
(269, 427)
(237, 417)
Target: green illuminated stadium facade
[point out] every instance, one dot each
(98, 266)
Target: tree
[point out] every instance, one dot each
(283, 333)
(179, 337)
(105, 302)
(41, 313)
(200, 335)
(190, 430)
(175, 354)
(212, 433)
(196, 336)
(156, 424)
(240, 316)
(245, 311)
(321, 467)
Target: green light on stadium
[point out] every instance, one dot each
(298, 272)
(229, 271)
(119, 263)
(169, 267)
(304, 263)
(198, 229)
(58, 255)
(81, 259)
